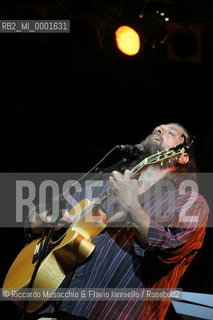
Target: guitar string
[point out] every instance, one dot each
(158, 157)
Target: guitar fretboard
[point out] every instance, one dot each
(153, 159)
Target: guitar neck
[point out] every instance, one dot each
(106, 193)
(158, 157)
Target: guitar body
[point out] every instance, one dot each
(64, 254)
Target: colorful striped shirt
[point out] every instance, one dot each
(176, 233)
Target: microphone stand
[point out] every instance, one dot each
(43, 247)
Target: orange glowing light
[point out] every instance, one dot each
(127, 40)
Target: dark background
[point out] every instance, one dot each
(67, 99)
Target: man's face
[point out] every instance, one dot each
(165, 136)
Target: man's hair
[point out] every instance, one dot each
(188, 142)
(186, 171)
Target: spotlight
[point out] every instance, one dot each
(143, 37)
(127, 40)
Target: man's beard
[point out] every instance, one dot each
(152, 146)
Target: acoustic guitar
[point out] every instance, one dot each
(73, 246)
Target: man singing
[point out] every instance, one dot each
(156, 229)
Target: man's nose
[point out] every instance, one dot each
(159, 131)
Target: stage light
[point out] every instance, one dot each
(142, 36)
(127, 40)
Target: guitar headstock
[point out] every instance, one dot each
(160, 157)
(166, 154)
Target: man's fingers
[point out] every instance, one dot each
(67, 218)
(43, 216)
(127, 174)
(116, 175)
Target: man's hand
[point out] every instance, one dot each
(43, 220)
(126, 191)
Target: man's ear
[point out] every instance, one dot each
(183, 158)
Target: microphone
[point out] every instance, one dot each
(132, 149)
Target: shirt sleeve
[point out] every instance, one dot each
(184, 234)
